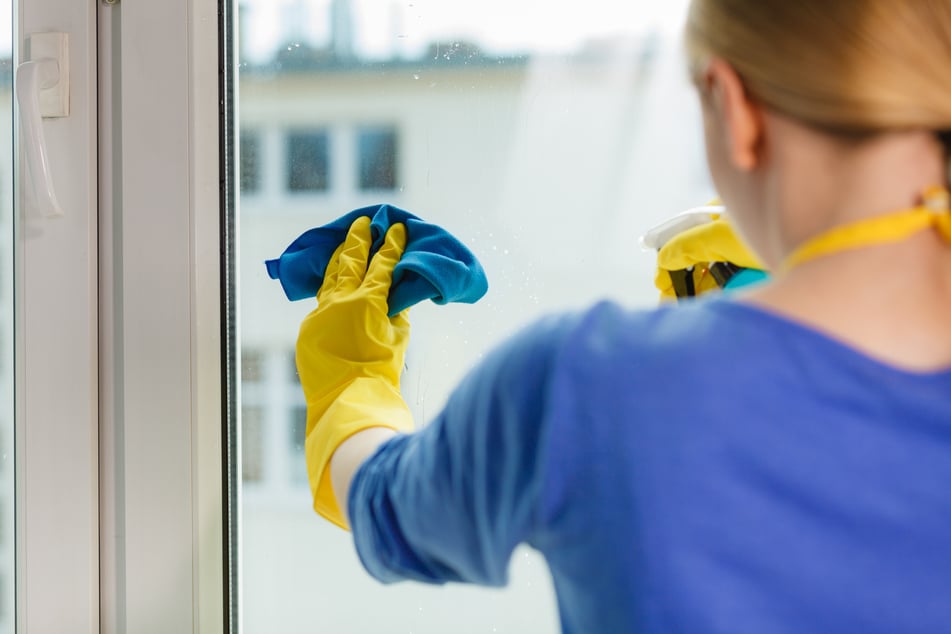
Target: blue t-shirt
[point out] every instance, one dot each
(709, 467)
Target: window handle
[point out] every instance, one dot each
(45, 78)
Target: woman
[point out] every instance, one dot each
(776, 461)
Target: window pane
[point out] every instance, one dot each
(547, 138)
(298, 425)
(249, 165)
(252, 443)
(308, 162)
(6, 325)
(252, 366)
(377, 158)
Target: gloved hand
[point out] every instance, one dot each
(350, 356)
(705, 257)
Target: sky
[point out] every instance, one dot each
(385, 27)
(6, 27)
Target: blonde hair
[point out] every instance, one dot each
(849, 66)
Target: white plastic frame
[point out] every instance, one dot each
(56, 342)
(162, 501)
(118, 372)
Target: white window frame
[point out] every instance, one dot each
(121, 505)
(162, 292)
(56, 372)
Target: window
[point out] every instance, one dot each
(292, 368)
(273, 419)
(298, 426)
(497, 122)
(378, 158)
(252, 366)
(536, 142)
(250, 164)
(252, 443)
(123, 463)
(308, 161)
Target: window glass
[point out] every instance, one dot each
(6, 323)
(377, 158)
(308, 161)
(252, 444)
(252, 366)
(548, 138)
(298, 468)
(249, 166)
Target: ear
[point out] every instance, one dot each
(740, 116)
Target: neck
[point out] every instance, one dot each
(889, 300)
(822, 182)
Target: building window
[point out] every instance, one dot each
(252, 366)
(298, 429)
(377, 151)
(249, 161)
(252, 417)
(252, 441)
(292, 368)
(308, 161)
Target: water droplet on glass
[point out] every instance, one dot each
(415, 75)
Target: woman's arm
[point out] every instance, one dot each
(349, 456)
(451, 501)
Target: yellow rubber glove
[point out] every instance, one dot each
(698, 247)
(350, 356)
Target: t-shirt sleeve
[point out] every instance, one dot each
(452, 501)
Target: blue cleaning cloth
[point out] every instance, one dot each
(435, 265)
